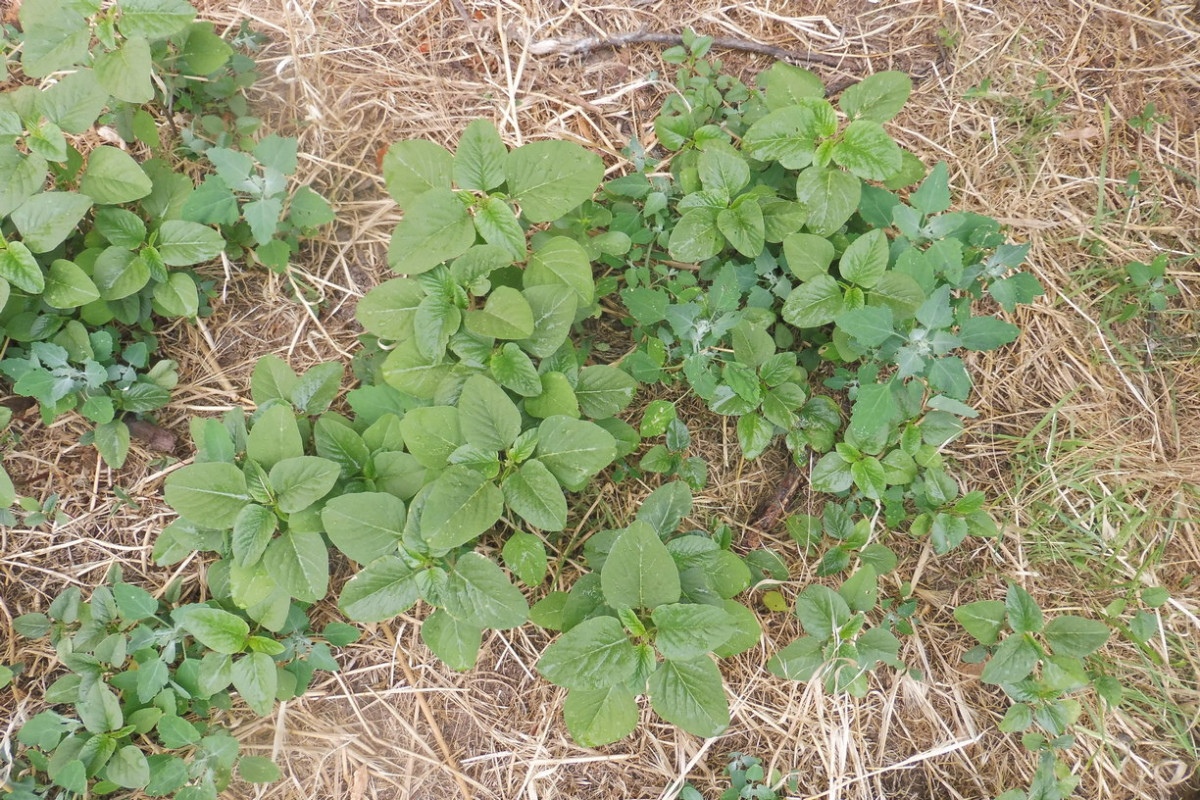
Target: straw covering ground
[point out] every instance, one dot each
(1088, 437)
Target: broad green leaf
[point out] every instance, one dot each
(799, 661)
(665, 507)
(119, 273)
(252, 532)
(877, 97)
(365, 525)
(755, 435)
(639, 571)
(987, 333)
(747, 632)
(553, 308)
(55, 37)
(982, 619)
(125, 72)
(574, 450)
(513, 370)
(870, 325)
(822, 611)
(455, 641)
(24, 176)
(167, 774)
(277, 152)
(210, 494)
(383, 589)
(831, 474)
(213, 202)
(460, 506)
(480, 593)
(814, 303)
(178, 297)
(134, 602)
(787, 84)
(272, 379)
(742, 225)
(696, 236)
(866, 259)
(690, 694)
(808, 256)
(274, 437)
(47, 219)
(98, 709)
(497, 225)
(557, 397)
(722, 170)
(182, 243)
(256, 679)
(933, 195)
(505, 315)
(435, 322)
(128, 768)
(74, 102)
(308, 210)
(1013, 660)
(216, 629)
(525, 556)
(487, 417)
(19, 268)
(829, 196)
(878, 644)
(301, 481)
(479, 160)
(299, 563)
(317, 387)
(412, 373)
(549, 178)
(1023, 613)
(688, 631)
(788, 135)
(562, 262)
(872, 417)
(154, 19)
(112, 176)
(436, 228)
(867, 151)
(204, 52)
(1069, 635)
(597, 717)
(431, 434)
(257, 769)
(595, 654)
(416, 166)
(533, 493)
(860, 590)
(175, 732)
(899, 292)
(263, 216)
(389, 309)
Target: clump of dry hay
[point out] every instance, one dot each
(1088, 434)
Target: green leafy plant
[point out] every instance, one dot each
(404, 489)
(645, 622)
(1040, 665)
(149, 675)
(249, 197)
(749, 780)
(670, 458)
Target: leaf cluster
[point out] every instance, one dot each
(146, 680)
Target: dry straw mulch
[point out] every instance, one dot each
(1088, 436)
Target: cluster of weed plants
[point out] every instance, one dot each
(780, 257)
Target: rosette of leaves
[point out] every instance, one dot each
(647, 621)
(1042, 665)
(136, 708)
(250, 198)
(404, 490)
(838, 647)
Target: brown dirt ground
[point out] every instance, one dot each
(1088, 436)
